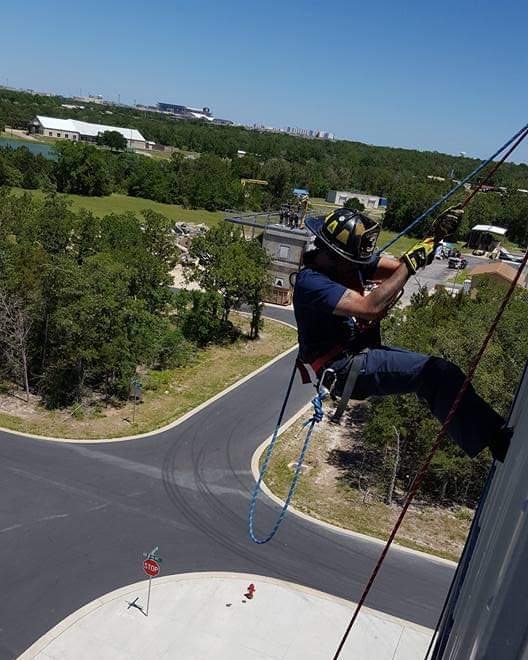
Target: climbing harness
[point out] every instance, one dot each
(356, 365)
(317, 402)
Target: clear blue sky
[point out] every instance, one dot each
(446, 75)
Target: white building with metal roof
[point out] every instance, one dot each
(485, 237)
(76, 130)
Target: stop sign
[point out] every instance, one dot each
(151, 567)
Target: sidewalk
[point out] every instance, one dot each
(205, 616)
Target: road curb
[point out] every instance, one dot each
(77, 616)
(255, 470)
(167, 427)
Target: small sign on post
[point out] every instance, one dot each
(136, 391)
(151, 567)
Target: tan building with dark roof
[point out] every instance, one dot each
(497, 272)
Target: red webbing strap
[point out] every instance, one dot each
(441, 434)
(317, 364)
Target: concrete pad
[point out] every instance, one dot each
(200, 616)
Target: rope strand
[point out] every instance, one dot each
(317, 416)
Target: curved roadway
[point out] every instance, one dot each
(75, 518)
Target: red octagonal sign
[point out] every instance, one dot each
(151, 567)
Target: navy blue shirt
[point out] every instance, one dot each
(315, 297)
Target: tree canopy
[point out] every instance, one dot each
(451, 328)
(113, 139)
(206, 172)
(223, 261)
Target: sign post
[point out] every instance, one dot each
(151, 567)
(136, 389)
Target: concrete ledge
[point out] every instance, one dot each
(202, 616)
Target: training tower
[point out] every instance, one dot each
(285, 246)
(485, 617)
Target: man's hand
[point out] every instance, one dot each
(447, 222)
(419, 256)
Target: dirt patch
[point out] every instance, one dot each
(328, 492)
(179, 281)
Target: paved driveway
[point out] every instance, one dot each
(75, 518)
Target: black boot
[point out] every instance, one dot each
(500, 444)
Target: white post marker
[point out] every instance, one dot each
(151, 566)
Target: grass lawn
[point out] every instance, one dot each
(403, 244)
(167, 394)
(116, 203)
(325, 491)
(460, 276)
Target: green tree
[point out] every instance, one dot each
(82, 169)
(353, 204)
(223, 261)
(451, 328)
(113, 139)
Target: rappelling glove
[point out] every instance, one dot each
(447, 222)
(419, 256)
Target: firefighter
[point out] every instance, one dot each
(338, 328)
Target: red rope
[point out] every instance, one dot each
(425, 466)
(494, 169)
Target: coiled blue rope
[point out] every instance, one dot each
(317, 416)
(453, 190)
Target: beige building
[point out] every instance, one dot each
(497, 272)
(340, 197)
(285, 247)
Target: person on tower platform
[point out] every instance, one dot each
(339, 328)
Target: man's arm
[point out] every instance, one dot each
(385, 268)
(373, 306)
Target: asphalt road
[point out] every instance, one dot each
(76, 518)
(437, 273)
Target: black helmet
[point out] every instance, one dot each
(349, 233)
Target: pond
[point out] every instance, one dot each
(34, 147)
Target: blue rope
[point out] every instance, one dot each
(452, 191)
(317, 416)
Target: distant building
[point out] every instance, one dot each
(497, 272)
(75, 130)
(485, 237)
(185, 111)
(309, 133)
(98, 99)
(285, 247)
(340, 197)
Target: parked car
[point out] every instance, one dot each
(504, 255)
(459, 263)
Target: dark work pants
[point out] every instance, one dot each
(436, 381)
